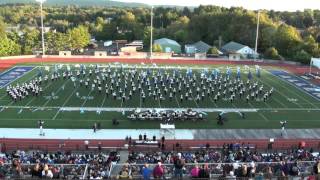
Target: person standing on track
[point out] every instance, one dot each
(40, 124)
(283, 126)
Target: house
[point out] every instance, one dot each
(198, 47)
(235, 50)
(168, 45)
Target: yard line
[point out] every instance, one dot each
(194, 100)
(86, 98)
(260, 114)
(159, 102)
(56, 92)
(266, 119)
(104, 100)
(175, 97)
(65, 102)
(293, 91)
(213, 102)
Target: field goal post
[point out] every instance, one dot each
(314, 62)
(168, 131)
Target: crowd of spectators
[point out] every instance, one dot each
(231, 161)
(36, 164)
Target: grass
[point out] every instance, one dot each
(302, 113)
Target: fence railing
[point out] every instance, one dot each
(215, 170)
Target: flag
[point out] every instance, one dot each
(217, 72)
(238, 72)
(189, 72)
(68, 67)
(258, 71)
(55, 68)
(228, 72)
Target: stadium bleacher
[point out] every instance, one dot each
(231, 161)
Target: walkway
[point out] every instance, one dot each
(186, 134)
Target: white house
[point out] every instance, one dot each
(237, 48)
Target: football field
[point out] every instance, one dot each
(67, 103)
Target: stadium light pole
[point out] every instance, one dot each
(257, 35)
(151, 32)
(42, 28)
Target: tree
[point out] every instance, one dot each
(156, 48)
(79, 38)
(311, 46)
(9, 47)
(272, 53)
(213, 51)
(287, 40)
(30, 41)
(302, 56)
(2, 28)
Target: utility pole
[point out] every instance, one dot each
(151, 31)
(257, 35)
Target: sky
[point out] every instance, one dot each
(278, 5)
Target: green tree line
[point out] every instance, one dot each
(283, 35)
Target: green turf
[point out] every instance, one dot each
(302, 113)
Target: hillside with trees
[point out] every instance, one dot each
(283, 35)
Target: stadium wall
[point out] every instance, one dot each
(66, 145)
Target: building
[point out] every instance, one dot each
(198, 47)
(138, 44)
(233, 48)
(168, 45)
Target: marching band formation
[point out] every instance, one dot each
(177, 85)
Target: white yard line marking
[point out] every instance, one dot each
(213, 101)
(175, 97)
(86, 98)
(65, 102)
(260, 114)
(55, 93)
(194, 100)
(104, 100)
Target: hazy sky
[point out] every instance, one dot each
(281, 5)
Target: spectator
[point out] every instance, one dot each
(36, 172)
(268, 173)
(146, 172)
(195, 171)
(316, 169)
(46, 172)
(3, 170)
(204, 172)
(158, 171)
(179, 164)
(124, 173)
(16, 170)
